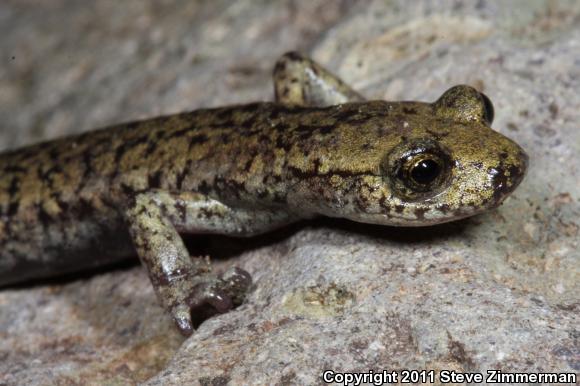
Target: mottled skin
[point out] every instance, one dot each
(84, 200)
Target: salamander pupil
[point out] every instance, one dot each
(425, 171)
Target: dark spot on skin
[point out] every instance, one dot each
(228, 124)
(180, 207)
(383, 204)
(316, 164)
(151, 146)
(264, 140)
(178, 133)
(224, 138)
(127, 190)
(181, 176)
(279, 67)
(229, 187)
(88, 167)
(276, 178)
(281, 127)
(326, 129)
(248, 165)
(13, 208)
(129, 144)
(84, 209)
(304, 129)
(197, 140)
(362, 203)
(445, 208)
(366, 146)
(204, 188)
(248, 123)
(205, 213)
(14, 187)
(44, 218)
(154, 180)
(420, 213)
(53, 154)
(284, 93)
(47, 174)
(159, 135)
(64, 206)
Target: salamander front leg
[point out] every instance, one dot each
(183, 283)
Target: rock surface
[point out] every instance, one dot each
(499, 291)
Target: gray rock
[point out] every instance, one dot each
(498, 291)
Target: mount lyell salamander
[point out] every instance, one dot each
(320, 149)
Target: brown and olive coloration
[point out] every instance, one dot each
(84, 200)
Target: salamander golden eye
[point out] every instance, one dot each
(421, 172)
(418, 169)
(425, 171)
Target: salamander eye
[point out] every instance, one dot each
(418, 169)
(420, 172)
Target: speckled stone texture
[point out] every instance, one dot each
(499, 291)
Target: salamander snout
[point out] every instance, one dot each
(508, 175)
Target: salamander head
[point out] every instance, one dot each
(433, 163)
(461, 168)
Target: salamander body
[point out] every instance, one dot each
(320, 149)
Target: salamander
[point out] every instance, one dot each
(320, 149)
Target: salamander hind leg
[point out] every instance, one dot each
(183, 283)
(303, 82)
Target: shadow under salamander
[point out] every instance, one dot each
(224, 247)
